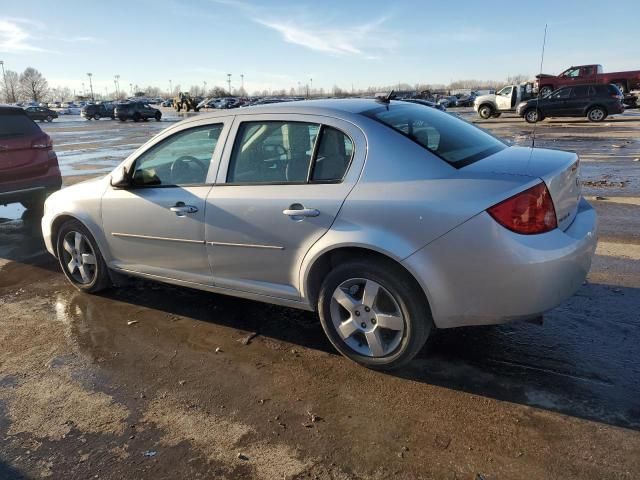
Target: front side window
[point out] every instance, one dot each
(455, 141)
(562, 93)
(272, 152)
(506, 91)
(572, 72)
(182, 159)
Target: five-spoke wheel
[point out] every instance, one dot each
(374, 312)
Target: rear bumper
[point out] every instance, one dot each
(24, 189)
(480, 273)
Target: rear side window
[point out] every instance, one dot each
(15, 123)
(580, 91)
(455, 141)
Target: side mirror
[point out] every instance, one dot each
(120, 178)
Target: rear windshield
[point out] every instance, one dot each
(455, 141)
(16, 124)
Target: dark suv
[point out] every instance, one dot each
(96, 111)
(43, 114)
(28, 165)
(136, 111)
(593, 101)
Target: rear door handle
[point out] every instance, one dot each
(297, 210)
(180, 209)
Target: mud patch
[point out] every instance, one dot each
(221, 439)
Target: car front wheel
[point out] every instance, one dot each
(485, 111)
(532, 115)
(80, 258)
(374, 314)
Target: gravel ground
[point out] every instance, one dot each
(151, 381)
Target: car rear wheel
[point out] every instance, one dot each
(485, 111)
(96, 116)
(136, 117)
(158, 116)
(122, 119)
(596, 114)
(533, 115)
(80, 258)
(374, 315)
(49, 118)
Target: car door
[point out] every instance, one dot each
(156, 225)
(503, 98)
(577, 101)
(280, 186)
(556, 105)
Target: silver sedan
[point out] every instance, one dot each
(388, 218)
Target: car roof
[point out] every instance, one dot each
(342, 108)
(11, 108)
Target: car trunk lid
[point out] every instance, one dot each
(559, 170)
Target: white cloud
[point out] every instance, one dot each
(14, 38)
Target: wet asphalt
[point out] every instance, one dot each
(181, 370)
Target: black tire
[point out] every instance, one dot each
(145, 119)
(485, 111)
(122, 119)
(533, 115)
(136, 117)
(408, 296)
(100, 277)
(158, 116)
(113, 117)
(545, 90)
(49, 118)
(597, 114)
(96, 116)
(34, 202)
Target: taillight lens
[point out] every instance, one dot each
(528, 212)
(42, 142)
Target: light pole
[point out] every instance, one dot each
(131, 88)
(4, 79)
(242, 83)
(170, 89)
(91, 86)
(116, 80)
(311, 81)
(204, 93)
(299, 91)
(84, 91)
(229, 82)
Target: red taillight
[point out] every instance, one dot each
(528, 212)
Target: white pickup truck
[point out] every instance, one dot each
(504, 100)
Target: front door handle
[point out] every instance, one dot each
(297, 210)
(180, 209)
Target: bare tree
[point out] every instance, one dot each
(11, 87)
(33, 85)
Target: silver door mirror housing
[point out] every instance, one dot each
(120, 178)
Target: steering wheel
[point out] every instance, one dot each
(188, 169)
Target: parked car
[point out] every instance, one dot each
(466, 100)
(229, 102)
(28, 165)
(506, 99)
(96, 111)
(594, 101)
(167, 103)
(466, 225)
(588, 74)
(136, 111)
(43, 114)
(426, 103)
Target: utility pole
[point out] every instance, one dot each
(229, 82)
(84, 91)
(91, 86)
(4, 79)
(204, 93)
(116, 80)
(131, 88)
(299, 91)
(242, 83)
(170, 89)
(311, 81)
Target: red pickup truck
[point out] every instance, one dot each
(625, 81)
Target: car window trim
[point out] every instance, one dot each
(312, 162)
(132, 167)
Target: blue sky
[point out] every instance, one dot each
(278, 44)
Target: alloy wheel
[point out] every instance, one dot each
(78, 257)
(367, 317)
(596, 115)
(532, 116)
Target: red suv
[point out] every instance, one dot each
(28, 165)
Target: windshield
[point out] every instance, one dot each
(457, 142)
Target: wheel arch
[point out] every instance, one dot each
(596, 105)
(62, 218)
(325, 261)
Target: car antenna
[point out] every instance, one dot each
(533, 135)
(382, 98)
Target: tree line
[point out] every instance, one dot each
(29, 85)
